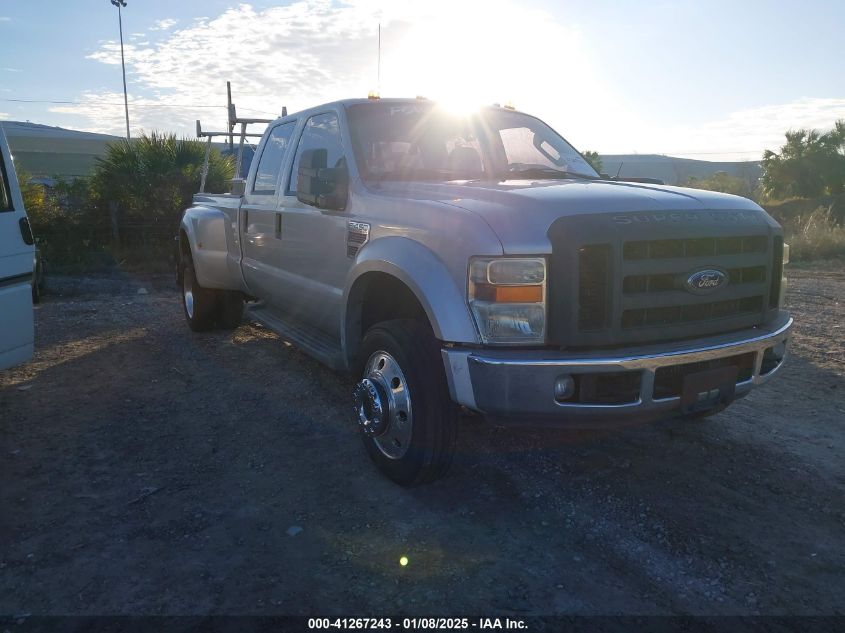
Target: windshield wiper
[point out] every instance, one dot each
(547, 172)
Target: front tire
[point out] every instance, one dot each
(402, 404)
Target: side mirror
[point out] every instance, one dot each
(320, 186)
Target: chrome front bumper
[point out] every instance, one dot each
(512, 384)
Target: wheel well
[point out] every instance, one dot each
(377, 297)
(184, 244)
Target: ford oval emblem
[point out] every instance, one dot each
(703, 282)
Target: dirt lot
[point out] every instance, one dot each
(149, 470)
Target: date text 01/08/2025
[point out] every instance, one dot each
(417, 623)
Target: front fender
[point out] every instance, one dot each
(205, 229)
(441, 296)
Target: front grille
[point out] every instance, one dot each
(629, 280)
(777, 271)
(664, 282)
(658, 297)
(594, 286)
(673, 315)
(695, 247)
(669, 381)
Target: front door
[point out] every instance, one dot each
(17, 257)
(314, 253)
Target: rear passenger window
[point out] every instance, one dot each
(322, 131)
(272, 157)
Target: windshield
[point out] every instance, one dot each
(419, 141)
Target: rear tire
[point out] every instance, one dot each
(199, 304)
(413, 440)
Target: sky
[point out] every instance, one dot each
(715, 80)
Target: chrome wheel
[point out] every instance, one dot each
(383, 405)
(188, 292)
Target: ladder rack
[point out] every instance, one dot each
(233, 120)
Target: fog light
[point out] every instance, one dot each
(564, 388)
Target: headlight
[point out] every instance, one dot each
(508, 298)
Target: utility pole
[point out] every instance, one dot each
(119, 4)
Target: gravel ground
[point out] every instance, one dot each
(149, 470)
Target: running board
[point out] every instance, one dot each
(310, 340)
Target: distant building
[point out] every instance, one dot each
(46, 151)
(676, 171)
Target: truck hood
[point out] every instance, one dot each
(521, 211)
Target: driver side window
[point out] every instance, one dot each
(322, 131)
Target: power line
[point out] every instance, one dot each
(186, 106)
(95, 102)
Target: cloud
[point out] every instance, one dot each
(4, 18)
(4, 115)
(163, 25)
(12, 70)
(313, 51)
(744, 134)
(103, 112)
(298, 55)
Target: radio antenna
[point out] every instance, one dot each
(378, 65)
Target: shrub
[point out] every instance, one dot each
(140, 188)
(816, 235)
(723, 182)
(810, 164)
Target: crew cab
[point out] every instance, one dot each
(479, 261)
(17, 259)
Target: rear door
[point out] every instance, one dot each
(260, 220)
(17, 257)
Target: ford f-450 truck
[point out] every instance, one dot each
(479, 261)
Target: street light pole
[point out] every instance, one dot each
(119, 4)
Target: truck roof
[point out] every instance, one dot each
(368, 100)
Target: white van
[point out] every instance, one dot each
(17, 252)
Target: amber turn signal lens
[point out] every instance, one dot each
(509, 294)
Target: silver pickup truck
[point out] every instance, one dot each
(478, 261)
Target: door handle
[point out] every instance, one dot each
(246, 220)
(26, 231)
(278, 226)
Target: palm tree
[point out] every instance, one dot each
(809, 164)
(151, 179)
